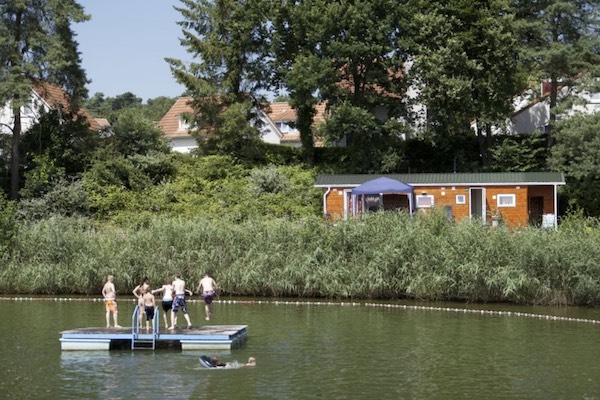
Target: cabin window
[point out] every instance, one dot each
(506, 200)
(425, 201)
(461, 199)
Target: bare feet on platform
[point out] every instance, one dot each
(118, 326)
(171, 328)
(189, 327)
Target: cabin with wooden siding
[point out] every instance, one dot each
(514, 198)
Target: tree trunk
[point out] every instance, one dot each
(15, 158)
(553, 102)
(305, 115)
(484, 138)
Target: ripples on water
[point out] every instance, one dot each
(311, 352)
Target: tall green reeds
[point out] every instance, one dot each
(385, 256)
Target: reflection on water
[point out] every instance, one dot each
(125, 375)
(313, 352)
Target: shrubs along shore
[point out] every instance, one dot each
(384, 256)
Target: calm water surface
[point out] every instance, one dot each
(311, 352)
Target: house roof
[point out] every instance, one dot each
(56, 97)
(449, 179)
(170, 121)
(276, 112)
(282, 111)
(102, 122)
(52, 94)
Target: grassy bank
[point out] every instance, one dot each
(386, 256)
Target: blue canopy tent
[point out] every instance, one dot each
(384, 185)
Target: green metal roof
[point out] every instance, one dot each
(449, 179)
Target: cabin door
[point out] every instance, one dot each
(477, 204)
(536, 210)
(349, 206)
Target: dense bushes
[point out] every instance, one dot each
(385, 256)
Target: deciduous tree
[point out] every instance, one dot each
(465, 64)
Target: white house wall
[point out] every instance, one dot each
(533, 119)
(29, 114)
(183, 144)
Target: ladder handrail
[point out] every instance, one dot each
(136, 326)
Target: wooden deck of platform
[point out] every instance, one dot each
(213, 337)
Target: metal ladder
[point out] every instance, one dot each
(139, 340)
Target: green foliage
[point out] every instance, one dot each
(559, 42)
(41, 177)
(384, 256)
(460, 49)
(371, 144)
(135, 134)
(32, 50)
(111, 107)
(109, 181)
(64, 198)
(232, 134)
(8, 225)
(66, 141)
(267, 180)
(576, 152)
(519, 153)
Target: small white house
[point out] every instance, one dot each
(275, 124)
(534, 115)
(43, 98)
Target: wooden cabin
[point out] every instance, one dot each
(514, 198)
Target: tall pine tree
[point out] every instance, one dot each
(227, 39)
(37, 42)
(559, 43)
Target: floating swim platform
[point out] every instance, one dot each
(209, 337)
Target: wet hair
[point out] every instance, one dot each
(143, 280)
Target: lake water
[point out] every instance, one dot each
(317, 350)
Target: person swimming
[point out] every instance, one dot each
(215, 362)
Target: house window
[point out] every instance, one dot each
(424, 201)
(284, 127)
(506, 200)
(184, 124)
(461, 199)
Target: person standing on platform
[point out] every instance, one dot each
(167, 300)
(209, 287)
(179, 301)
(139, 292)
(110, 301)
(149, 305)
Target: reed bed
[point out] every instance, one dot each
(385, 256)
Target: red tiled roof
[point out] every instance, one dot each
(56, 97)
(283, 112)
(103, 122)
(170, 122)
(52, 94)
(277, 112)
